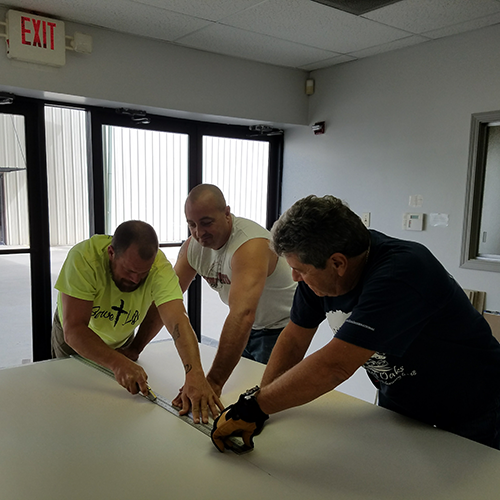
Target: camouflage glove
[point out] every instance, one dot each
(243, 418)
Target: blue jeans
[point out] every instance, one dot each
(260, 344)
(484, 429)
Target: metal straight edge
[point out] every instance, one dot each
(237, 445)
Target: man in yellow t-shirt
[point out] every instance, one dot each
(108, 286)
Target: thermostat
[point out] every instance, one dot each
(413, 222)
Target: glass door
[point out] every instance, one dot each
(85, 170)
(68, 183)
(146, 178)
(24, 255)
(240, 168)
(148, 165)
(15, 285)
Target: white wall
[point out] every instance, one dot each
(397, 125)
(147, 73)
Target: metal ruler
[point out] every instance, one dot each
(237, 444)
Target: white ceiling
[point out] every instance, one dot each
(294, 33)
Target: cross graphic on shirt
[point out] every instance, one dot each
(119, 310)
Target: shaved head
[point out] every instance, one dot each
(208, 217)
(207, 193)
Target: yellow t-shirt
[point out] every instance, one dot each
(86, 275)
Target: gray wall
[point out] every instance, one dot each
(397, 125)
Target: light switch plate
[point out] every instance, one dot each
(365, 217)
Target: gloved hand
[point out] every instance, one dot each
(243, 418)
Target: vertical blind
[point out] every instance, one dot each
(239, 168)
(14, 208)
(146, 178)
(67, 175)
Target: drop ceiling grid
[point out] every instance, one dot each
(421, 16)
(296, 33)
(213, 10)
(240, 43)
(313, 24)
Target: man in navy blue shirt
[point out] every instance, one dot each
(394, 310)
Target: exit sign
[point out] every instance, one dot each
(35, 39)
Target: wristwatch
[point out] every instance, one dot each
(251, 394)
(250, 410)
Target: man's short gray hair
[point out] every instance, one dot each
(315, 228)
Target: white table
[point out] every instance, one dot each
(67, 431)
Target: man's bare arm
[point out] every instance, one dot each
(84, 341)
(146, 332)
(289, 350)
(184, 271)
(251, 264)
(197, 392)
(314, 376)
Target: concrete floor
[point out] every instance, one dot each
(15, 309)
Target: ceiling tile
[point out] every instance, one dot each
(455, 29)
(313, 24)
(296, 33)
(212, 10)
(121, 15)
(422, 16)
(325, 63)
(386, 47)
(151, 21)
(239, 43)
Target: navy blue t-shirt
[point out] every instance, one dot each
(436, 359)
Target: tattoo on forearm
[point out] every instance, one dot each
(188, 368)
(176, 333)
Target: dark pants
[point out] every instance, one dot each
(260, 344)
(484, 429)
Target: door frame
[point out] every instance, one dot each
(38, 213)
(38, 207)
(195, 130)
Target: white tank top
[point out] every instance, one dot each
(273, 310)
